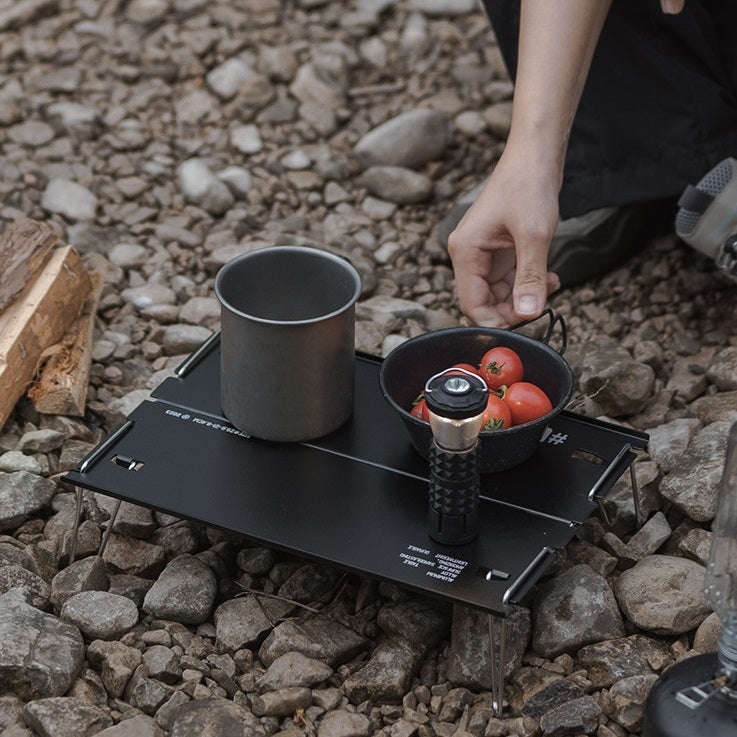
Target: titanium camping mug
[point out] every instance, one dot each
(287, 342)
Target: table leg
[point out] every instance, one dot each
(108, 529)
(636, 496)
(77, 518)
(496, 657)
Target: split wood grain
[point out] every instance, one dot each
(62, 386)
(24, 249)
(39, 318)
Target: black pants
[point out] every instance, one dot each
(659, 108)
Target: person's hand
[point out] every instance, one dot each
(499, 249)
(672, 7)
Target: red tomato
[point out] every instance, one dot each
(501, 367)
(467, 367)
(419, 408)
(496, 414)
(526, 402)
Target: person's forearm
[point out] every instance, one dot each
(556, 44)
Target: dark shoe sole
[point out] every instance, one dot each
(607, 246)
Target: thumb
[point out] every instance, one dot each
(672, 7)
(531, 280)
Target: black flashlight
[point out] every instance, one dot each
(456, 400)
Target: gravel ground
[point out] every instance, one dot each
(163, 137)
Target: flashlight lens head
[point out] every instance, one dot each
(456, 394)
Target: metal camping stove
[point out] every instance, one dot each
(363, 482)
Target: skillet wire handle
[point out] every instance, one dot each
(555, 319)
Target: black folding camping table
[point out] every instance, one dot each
(357, 498)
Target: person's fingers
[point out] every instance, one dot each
(672, 7)
(471, 268)
(531, 281)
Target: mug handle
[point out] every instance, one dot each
(555, 319)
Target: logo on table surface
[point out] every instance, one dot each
(204, 422)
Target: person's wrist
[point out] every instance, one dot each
(533, 153)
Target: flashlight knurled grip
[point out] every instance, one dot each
(453, 510)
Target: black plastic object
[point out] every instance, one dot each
(665, 716)
(356, 498)
(406, 369)
(453, 503)
(456, 403)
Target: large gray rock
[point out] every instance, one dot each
(215, 718)
(693, 484)
(611, 660)
(14, 577)
(625, 701)
(134, 520)
(663, 594)
(116, 664)
(419, 621)
(162, 663)
(342, 723)
(410, 139)
(246, 139)
(649, 537)
(40, 441)
(11, 714)
(62, 716)
(147, 694)
(125, 554)
(70, 199)
(310, 583)
(181, 338)
(668, 442)
(573, 609)
(318, 637)
(572, 717)
(41, 655)
(100, 614)
(15, 460)
(137, 726)
(283, 702)
(147, 12)
(293, 669)
(387, 675)
(712, 408)
(87, 574)
(22, 494)
(722, 370)
(13, 555)
(618, 384)
(147, 295)
(200, 185)
(396, 184)
(469, 656)
(236, 77)
(535, 691)
(184, 592)
(243, 621)
(706, 637)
